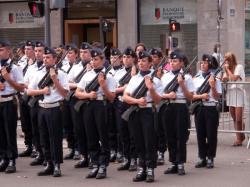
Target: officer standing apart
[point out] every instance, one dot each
(49, 114)
(206, 115)
(95, 113)
(176, 115)
(143, 118)
(11, 80)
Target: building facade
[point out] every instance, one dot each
(136, 21)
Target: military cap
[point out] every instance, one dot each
(143, 54)
(61, 46)
(86, 45)
(96, 52)
(39, 44)
(176, 55)
(71, 46)
(20, 45)
(207, 57)
(5, 43)
(156, 51)
(115, 52)
(29, 43)
(129, 51)
(48, 51)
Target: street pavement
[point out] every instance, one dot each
(232, 169)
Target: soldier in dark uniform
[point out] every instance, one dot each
(29, 76)
(74, 77)
(143, 118)
(156, 55)
(94, 114)
(125, 129)
(11, 79)
(176, 115)
(49, 114)
(114, 136)
(24, 108)
(206, 115)
(67, 117)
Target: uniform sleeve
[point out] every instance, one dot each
(18, 74)
(34, 82)
(63, 79)
(111, 84)
(82, 84)
(158, 86)
(218, 86)
(129, 86)
(71, 74)
(189, 83)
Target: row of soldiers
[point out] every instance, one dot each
(135, 94)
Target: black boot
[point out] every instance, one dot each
(83, 163)
(119, 157)
(172, 169)
(4, 164)
(150, 175)
(201, 163)
(181, 170)
(34, 154)
(93, 172)
(112, 156)
(77, 155)
(38, 160)
(141, 175)
(26, 152)
(124, 166)
(70, 155)
(160, 159)
(133, 165)
(48, 170)
(210, 163)
(102, 172)
(57, 171)
(11, 168)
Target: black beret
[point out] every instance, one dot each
(71, 46)
(39, 44)
(176, 55)
(61, 46)
(115, 52)
(29, 43)
(96, 52)
(207, 57)
(143, 54)
(156, 51)
(129, 51)
(86, 45)
(5, 43)
(48, 51)
(21, 45)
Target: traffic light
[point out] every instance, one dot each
(106, 26)
(174, 26)
(36, 8)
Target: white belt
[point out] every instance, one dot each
(5, 99)
(100, 98)
(178, 101)
(120, 98)
(209, 103)
(49, 105)
(148, 105)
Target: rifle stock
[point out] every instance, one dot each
(128, 112)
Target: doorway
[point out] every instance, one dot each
(88, 30)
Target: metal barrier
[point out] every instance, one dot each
(239, 94)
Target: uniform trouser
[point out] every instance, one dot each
(125, 131)
(68, 126)
(26, 122)
(49, 120)
(79, 127)
(206, 123)
(161, 139)
(176, 121)
(35, 128)
(8, 127)
(145, 136)
(97, 132)
(114, 135)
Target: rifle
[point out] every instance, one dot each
(8, 68)
(204, 88)
(92, 86)
(76, 80)
(46, 80)
(141, 91)
(125, 79)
